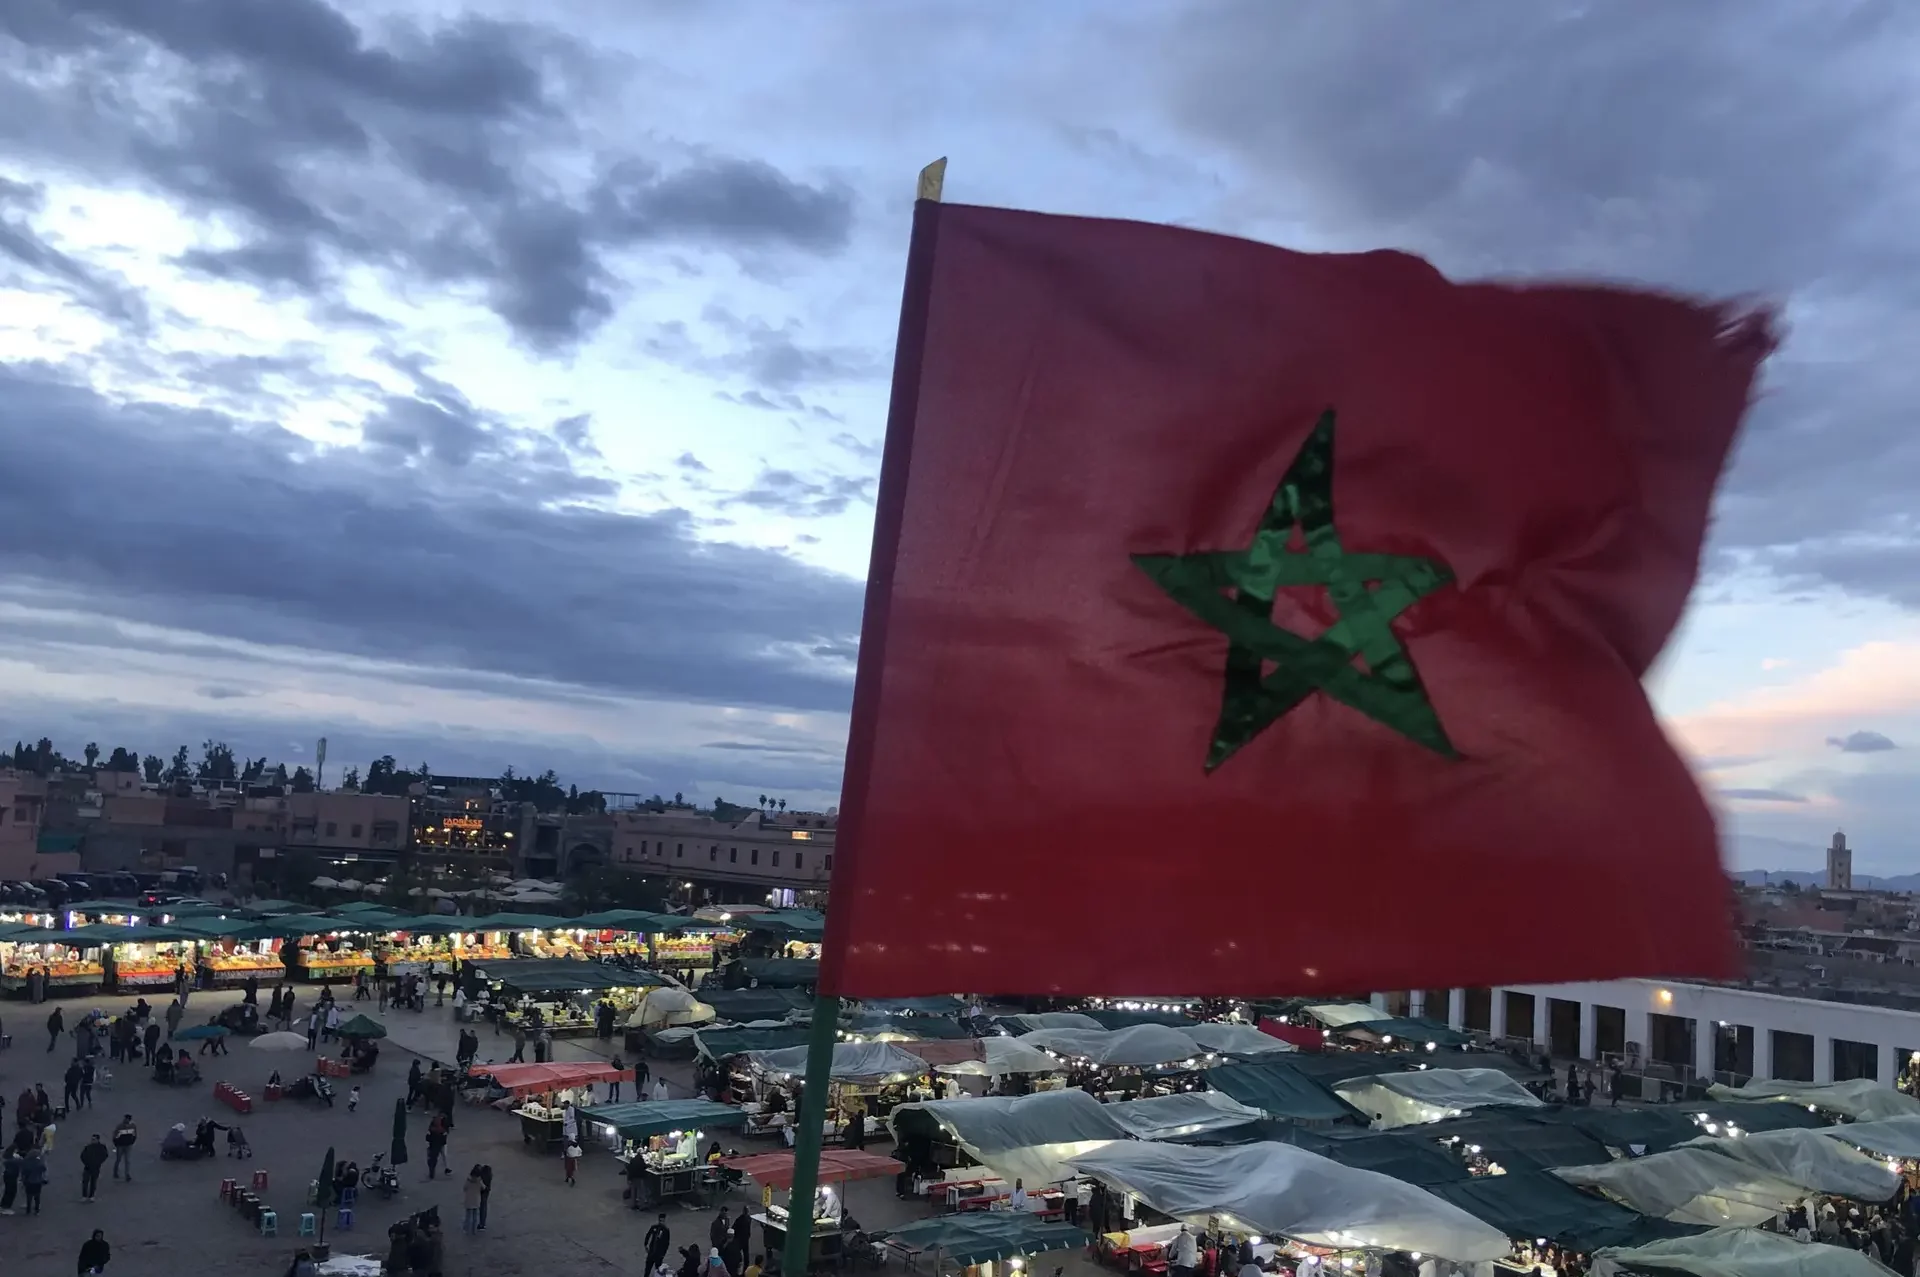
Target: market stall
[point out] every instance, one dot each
(963, 1241)
(1407, 1099)
(234, 950)
(837, 1166)
(658, 1144)
(143, 958)
(867, 1080)
(1279, 1190)
(69, 966)
(1028, 1137)
(413, 945)
(562, 995)
(542, 1091)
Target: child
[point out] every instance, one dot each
(353, 1099)
(570, 1160)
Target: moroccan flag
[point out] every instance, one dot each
(1244, 621)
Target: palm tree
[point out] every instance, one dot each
(763, 800)
(783, 804)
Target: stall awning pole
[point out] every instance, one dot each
(886, 535)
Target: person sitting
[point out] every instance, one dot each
(237, 1145)
(163, 1067)
(175, 1146)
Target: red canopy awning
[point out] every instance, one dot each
(775, 1170)
(526, 1079)
(1300, 1035)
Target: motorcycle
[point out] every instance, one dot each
(313, 1086)
(381, 1178)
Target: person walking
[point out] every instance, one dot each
(150, 1039)
(70, 1086)
(570, 1161)
(719, 1231)
(10, 1163)
(659, 1089)
(313, 1028)
(613, 1086)
(87, 1076)
(95, 1254)
(182, 987)
(333, 1022)
(519, 1055)
(175, 1010)
(640, 1075)
(658, 1239)
(742, 1238)
(470, 1194)
(415, 1081)
(33, 1178)
(436, 1146)
(125, 1136)
(56, 1025)
(485, 1171)
(93, 1155)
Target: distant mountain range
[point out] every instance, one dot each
(1818, 878)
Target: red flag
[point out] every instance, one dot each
(1247, 621)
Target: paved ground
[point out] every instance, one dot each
(170, 1219)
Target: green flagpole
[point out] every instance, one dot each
(826, 1007)
(807, 1139)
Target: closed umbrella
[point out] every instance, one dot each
(362, 1027)
(279, 1042)
(399, 1157)
(324, 1198)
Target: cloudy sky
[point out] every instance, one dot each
(496, 383)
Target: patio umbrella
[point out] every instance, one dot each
(361, 1027)
(201, 1032)
(399, 1157)
(324, 1198)
(279, 1042)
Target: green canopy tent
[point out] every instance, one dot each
(513, 922)
(718, 1044)
(564, 975)
(1514, 1140)
(361, 1026)
(1416, 1032)
(964, 1240)
(778, 973)
(624, 920)
(1331, 1067)
(745, 1005)
(263, 908)
(1420, 1162)
(8, 930)
(919, 1028)
(1639, 1131)
(1113, 1018)
(790, 924)
(1280, 1091)
(1533, 1204)
(642, 1119)
(425, 925)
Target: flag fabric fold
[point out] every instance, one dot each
(1249, 621)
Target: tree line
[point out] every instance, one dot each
(384, 775)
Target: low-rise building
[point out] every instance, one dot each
(23, 798)
(736, 861)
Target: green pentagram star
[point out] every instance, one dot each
(1233, 591)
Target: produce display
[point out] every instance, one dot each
(14, 975)
(478, 952)
(243, 962)
(685, 951)
(318, 963)
(148, 970)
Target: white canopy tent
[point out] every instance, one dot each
(1810, 1159)
(1284, 1190)
(1690, 1186)
(1004, 1056)
(1234, 1039)
(1027, 1137)
(1861, 1099)
(669, 1008)
(1408, 1099)
(1142, 1045)
(1165, 1117)
(1737, 1252)
(1892, 1136)
(1032, 1020)
(852, 1062)
(1338, 1015)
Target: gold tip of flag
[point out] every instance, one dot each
(933, 180)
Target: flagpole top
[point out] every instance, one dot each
(933, 180)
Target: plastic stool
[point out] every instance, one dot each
(259, 1180)
(308, 1225)
(349, 1197)
(269, 1224)
(343, 1218)
(313, 1192)
(227, 1187)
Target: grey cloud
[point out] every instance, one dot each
(36, 261)
(861, 448)
(762, 748)
(447, 153)
(1649, 142)
(687, 461)
(777, 359)
(1765, 795)
(802, 496)
(222, 693)
(478, 566)
(1861, 743)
